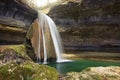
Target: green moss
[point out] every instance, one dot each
(27, 71)
(14, 54)
(20, 49)
(6, 71)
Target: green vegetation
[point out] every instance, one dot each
(16, 65)
(14, 53)
(27, 71)
(20, 49)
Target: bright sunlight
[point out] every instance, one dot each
(42, 3)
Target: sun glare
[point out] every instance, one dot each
(52, 1)
(42, 3)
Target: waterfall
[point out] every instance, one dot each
(44, 22)
(41, 22)
(46, 40)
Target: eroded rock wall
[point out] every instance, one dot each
(15, 20)
(88, 22)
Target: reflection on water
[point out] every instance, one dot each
(79, 65)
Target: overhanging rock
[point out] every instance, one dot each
(14, 13)
(15, 19)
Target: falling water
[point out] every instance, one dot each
(42, 21)
(47, 22)
(47, 27)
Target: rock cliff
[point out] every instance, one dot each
(15, 19)
(92, 23)
(81, 22)
(87, 12)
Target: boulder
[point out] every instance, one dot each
(16, 65)
(27, 71)
(95, 73)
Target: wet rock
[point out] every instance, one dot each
(32, 44)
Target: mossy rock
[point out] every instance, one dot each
(16, 54)
(95, 73)
(27, 71)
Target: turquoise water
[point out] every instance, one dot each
(79, 65)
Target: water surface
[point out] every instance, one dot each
(79, 65)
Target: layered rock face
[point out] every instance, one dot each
(14, 13)
(11, 35)
(15, 19)
(81, 22)
(93, 23)
(87, 11)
